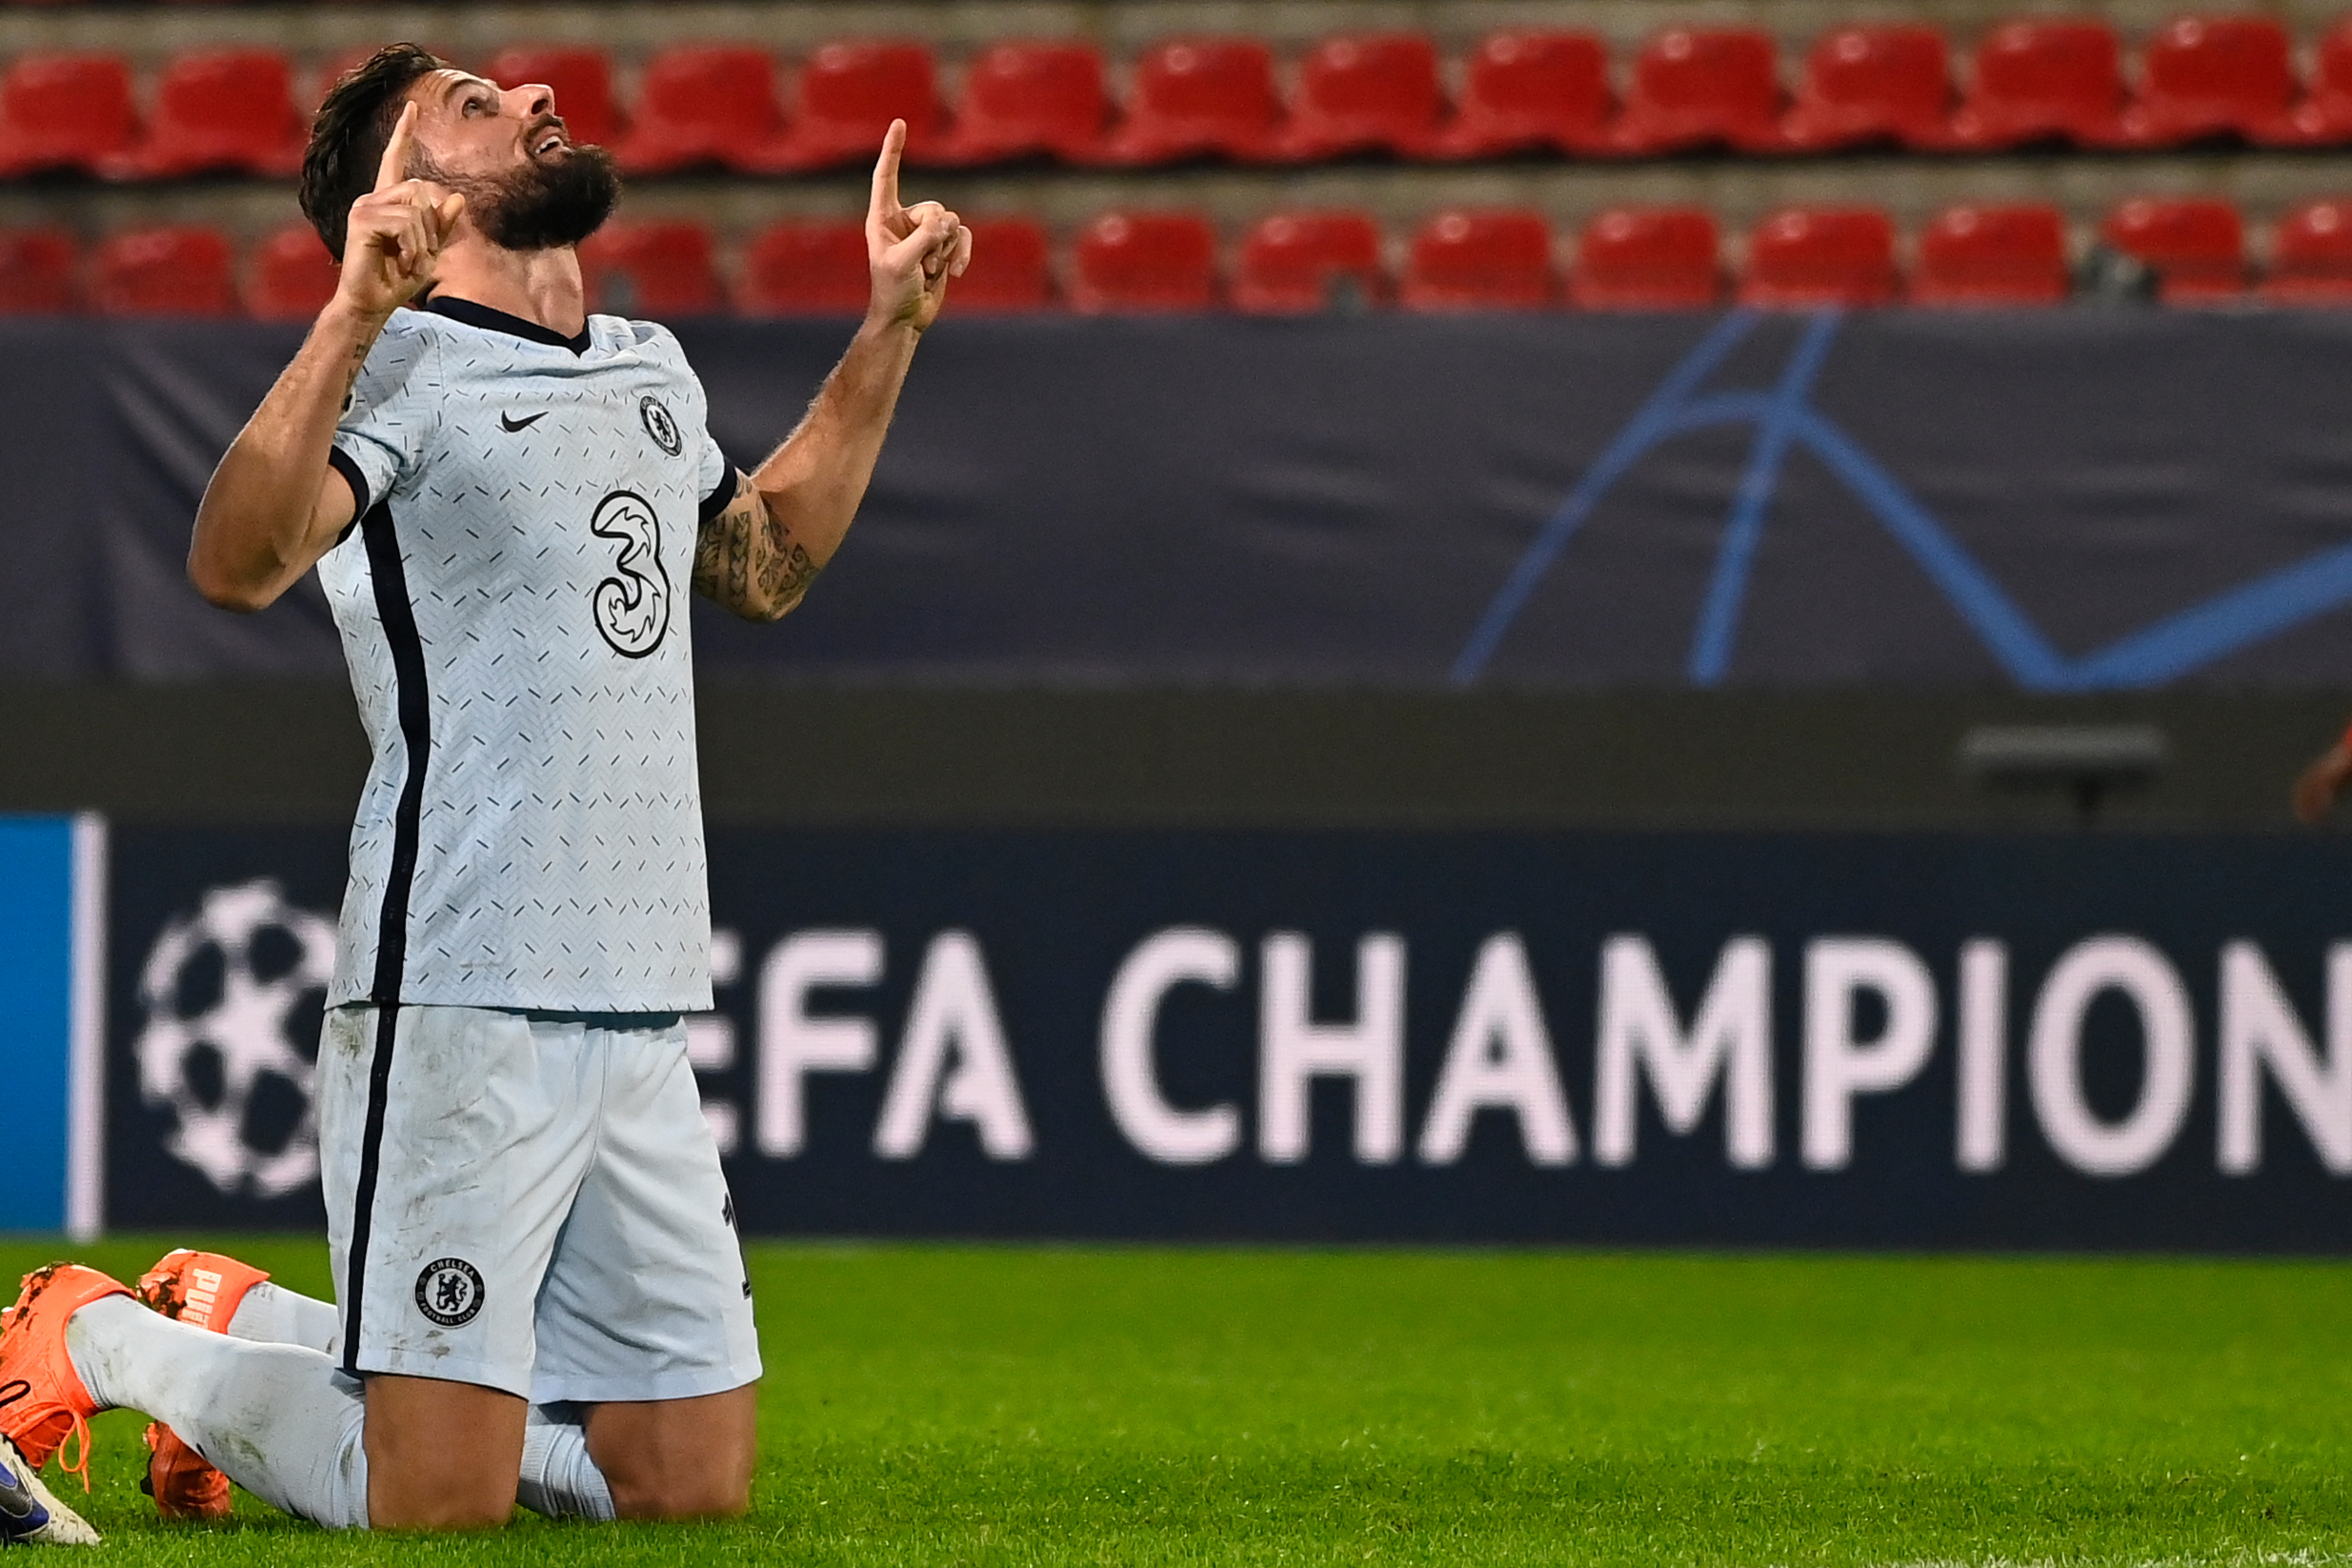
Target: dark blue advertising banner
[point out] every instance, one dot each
(1868, 1040)
(2048, 501)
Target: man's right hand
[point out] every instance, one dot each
(394, 236)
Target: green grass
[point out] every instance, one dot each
(945, 1405)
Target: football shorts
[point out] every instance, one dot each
(529, 1202)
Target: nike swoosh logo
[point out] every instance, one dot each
(511, 426)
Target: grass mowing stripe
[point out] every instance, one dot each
(1042, 1405)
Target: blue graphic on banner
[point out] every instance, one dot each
(36, 991)
(2176, 645)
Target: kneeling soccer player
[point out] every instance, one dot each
(534, 1246)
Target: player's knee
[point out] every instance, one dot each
(682, 1497)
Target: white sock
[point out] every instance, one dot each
(559, 1480)
(276, 1418)
(272, 1315)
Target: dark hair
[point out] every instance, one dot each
(348, 139)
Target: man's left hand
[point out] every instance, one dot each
(912, 251)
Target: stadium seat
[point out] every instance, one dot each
(220, 109)
(582, 81)
(1992, 255)
(1144, 261)
(2311, 255)
(845, 96)
(1012, 268)
(1648, 259)
(1195, 98)
(1697, 87)
(179, 269)
(290, 277)
(1467, 259)
(702, 104)
(1810, 258)
(64, 111)
(1299, 262)
(2203, 77)
(805, 267)
(2041, 81)
(1528, 90)
(1025, 100)
(1865, 86)
(36, 270)
(651, 270)
(2324, 116)
(2196, 246)
(1365, 92)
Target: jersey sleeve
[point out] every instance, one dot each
(381, 438)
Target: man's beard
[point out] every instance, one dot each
(541, 205)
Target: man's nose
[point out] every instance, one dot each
(531, 100)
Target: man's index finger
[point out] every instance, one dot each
(396, 165)
(885, 169)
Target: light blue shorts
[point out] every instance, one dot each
(531, 1203)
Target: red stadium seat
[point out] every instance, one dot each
(2311, 255)
(36, 270)
(1696, 87)
(1306, 261)
(290, 276)
(1025, 100)
(1144, 261)
(702, 104)
(64, 111)
(1481, 260)
(224, 109)
(805, 267)
(1648, 259)
(1992, 255)
(180, 270)
(2196, 246)
(657, 270)
(1198, 97)
(1870, 84)
(1528, 90)
(1365, 92)
(2041, 81)
(844, 98)
(2325, 117)
(2203, 77)
(1012, 268)
(1809, 257)
(581, 80)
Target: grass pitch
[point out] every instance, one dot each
(957, 1405)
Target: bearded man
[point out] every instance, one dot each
(538, 1289)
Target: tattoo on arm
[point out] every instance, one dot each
(747, 559)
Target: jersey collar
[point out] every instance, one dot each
(499, 321)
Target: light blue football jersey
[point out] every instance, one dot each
(513, 601)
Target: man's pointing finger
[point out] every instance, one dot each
(396, 165)
(886, 171)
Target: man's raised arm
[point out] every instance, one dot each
(758, 556)
(274, 507)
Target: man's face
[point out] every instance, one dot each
(526, 186)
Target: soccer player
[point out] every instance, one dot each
(537, 1282)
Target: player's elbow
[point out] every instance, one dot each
(225, 591)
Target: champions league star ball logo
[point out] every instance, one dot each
(233, 997)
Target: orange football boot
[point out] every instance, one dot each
(42, 1404)
(202, 1290)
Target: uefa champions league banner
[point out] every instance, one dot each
(2099, 1041)
(2049, 500)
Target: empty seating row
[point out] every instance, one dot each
(1628, 259)
(2038, 80)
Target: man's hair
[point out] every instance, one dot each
(355, 125)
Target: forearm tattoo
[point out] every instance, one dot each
(747, 560)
